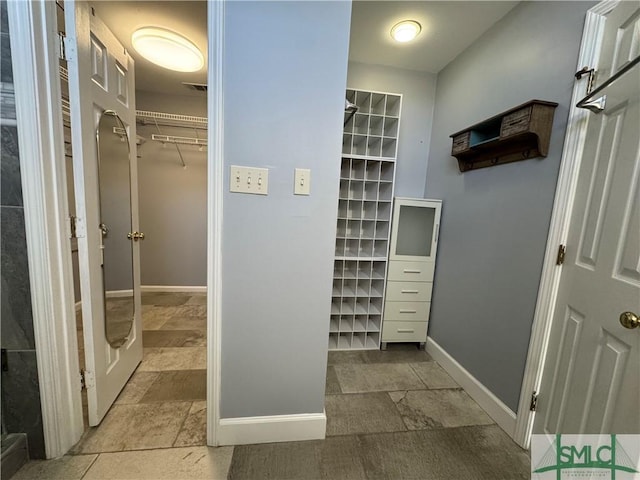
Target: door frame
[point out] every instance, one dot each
(34, 40)
(559, 227)
(32, 33)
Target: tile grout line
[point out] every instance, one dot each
(418, 375)
(395, 405)
(146, 449)
(173, 444)
(90, 465)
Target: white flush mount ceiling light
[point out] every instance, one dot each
(167, 49)
(405, 31)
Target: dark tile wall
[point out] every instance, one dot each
(21, 399)
(21, 411)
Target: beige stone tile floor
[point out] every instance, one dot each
(164, 402)
(392, 414)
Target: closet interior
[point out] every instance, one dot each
(168, 191)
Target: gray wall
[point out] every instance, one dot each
(495, 221)
(285, 79)
(21, 411)
(172, 199)
(418, 95)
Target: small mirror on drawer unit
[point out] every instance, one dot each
(414, 233)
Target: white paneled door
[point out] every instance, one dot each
(101, 78)
(591, 379)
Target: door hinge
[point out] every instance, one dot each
(562, 250)
(592, 77)
(62, 51)
(87, 380)
(534, 402)
(78, 227)
(72, 226)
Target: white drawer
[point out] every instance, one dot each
(411, 271)
(409, 291)
(407, 311)
(404, 332)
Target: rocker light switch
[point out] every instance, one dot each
(302, 181)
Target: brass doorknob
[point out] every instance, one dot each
(135, 236)
(629, 320)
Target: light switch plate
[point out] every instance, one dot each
(249, 180)
(302, 181)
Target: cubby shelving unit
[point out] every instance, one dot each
(364, 219)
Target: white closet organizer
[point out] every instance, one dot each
(186, 123)
(364, 219)
(412, 258)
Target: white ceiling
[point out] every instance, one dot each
(448, 28)
(189, 18)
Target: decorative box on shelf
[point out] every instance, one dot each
(518, 134)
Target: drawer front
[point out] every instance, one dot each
(516, 122)
(410, 271)
(407, 311)
(404, 332)
(409, 291)
(460, 143)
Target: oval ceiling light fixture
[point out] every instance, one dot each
(167, 49)
(405, 31)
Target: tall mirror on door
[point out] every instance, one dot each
(115, 225)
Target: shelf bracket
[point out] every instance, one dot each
(184, 165)
(592, 76)
(597, 105)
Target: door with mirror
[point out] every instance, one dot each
(103, 136)
(115, 227)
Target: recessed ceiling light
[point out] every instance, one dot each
(405, 31)
(167, 49)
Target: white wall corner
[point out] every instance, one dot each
(270, 429)
(495, 408)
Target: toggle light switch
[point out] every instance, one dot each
(302, 181)
(249, 180)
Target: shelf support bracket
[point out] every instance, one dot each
(592, 76)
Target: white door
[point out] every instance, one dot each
(101, 78)
(591, 378)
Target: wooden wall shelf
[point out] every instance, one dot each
(518, 134)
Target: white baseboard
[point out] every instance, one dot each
(276, 428)
(118, 293)
(498, 411)
(150, 289)
(173, 288)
